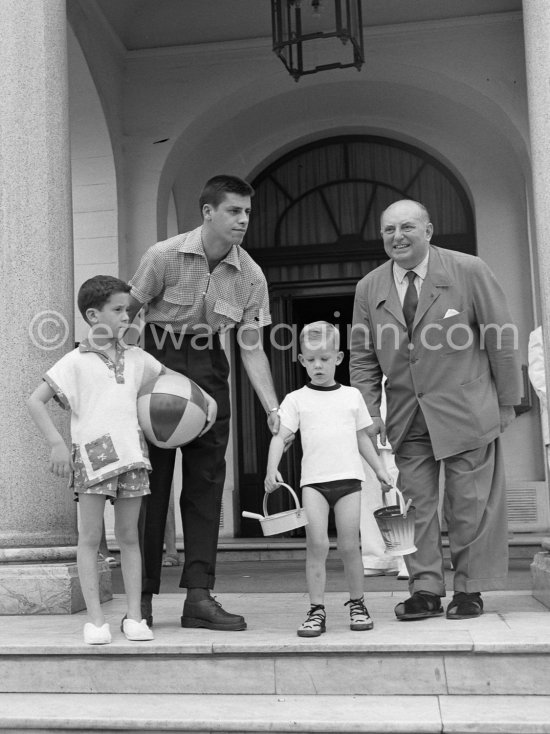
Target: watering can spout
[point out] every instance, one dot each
(252, 515)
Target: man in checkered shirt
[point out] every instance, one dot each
(196, 286)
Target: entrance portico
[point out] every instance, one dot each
(175, 114)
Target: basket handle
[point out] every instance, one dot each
(292, 492)
(403, 505)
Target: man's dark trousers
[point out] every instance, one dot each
(203, 465)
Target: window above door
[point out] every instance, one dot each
(322, 202)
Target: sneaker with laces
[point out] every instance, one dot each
(359, 618)
(315, 623)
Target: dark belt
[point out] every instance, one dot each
(186, 335)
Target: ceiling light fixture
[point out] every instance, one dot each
(317, 35)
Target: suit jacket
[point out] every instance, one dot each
(462, 362)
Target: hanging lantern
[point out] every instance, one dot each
(316, 35)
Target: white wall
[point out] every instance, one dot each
(95, 207)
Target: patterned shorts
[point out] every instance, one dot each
(134, 483)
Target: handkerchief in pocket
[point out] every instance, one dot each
(450, 312)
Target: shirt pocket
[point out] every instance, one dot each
(456, 333)
(101, 452)
(224, 308)
(177, 303)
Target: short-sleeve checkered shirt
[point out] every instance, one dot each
(174, 279)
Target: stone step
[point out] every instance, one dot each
(520, 545)
(85, 713)
(504, 652)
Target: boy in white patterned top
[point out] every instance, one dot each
(332, 419)
(99, 382)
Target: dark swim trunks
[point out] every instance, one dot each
(335, 490)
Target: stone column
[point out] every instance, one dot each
(536, 23)
(38, 518)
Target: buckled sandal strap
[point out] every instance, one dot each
(465, 606)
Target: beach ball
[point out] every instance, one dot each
(171, 410)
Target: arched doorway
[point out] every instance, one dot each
(315, 233)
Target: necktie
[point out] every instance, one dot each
(410, 302)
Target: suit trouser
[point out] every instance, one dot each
(474, 508)
(203, 467)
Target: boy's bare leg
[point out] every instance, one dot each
(91, 507)
(127, 535)
(347, 516)
(317, 510)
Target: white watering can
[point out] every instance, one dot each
(281, 522)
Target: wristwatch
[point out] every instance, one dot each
(273, 410)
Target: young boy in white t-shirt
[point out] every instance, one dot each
(99, 382)
(332, 419)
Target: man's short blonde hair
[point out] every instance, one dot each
(319, 331)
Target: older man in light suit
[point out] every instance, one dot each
(436, 323)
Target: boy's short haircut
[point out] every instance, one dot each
(318, 331)
(216, 188)
(96, 291)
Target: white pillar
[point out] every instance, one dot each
(536, 23)
(38, 519)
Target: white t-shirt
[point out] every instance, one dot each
(328, 420)
(102, 397)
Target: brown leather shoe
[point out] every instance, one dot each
(209, 613)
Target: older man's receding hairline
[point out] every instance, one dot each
(423, 211)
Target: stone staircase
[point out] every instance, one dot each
(490, 675)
